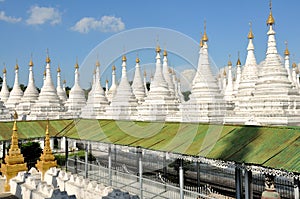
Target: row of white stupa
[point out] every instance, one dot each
(263, 95)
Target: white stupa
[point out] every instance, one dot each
(97, 102)
(30, 96)
(249, 76)
(206, 103)
(228, 93)
(238, 76)
(60, 91)
(145, 83)
(137, 84)
(124, 103)
(4, 94)
(48, 105)
(287, 62)
(15, 94)
(275, 102)
(168, 74)
(113, 88)
(76, 99)
(159, 102)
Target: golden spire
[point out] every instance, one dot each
(270, 20)
(64, 81)
(45, 73)
(238, 63)
(157, 49)
(250, 34)
(165, 52)
(137, 60)
(14, 161)
(124, 58)
(294, 65)
(48, 60)
(106, 80)
(4, 69)
(224, 73)
(229, 62)
(16, 66)
(97, 63)
(113, 67)
(204, 37)
(76, 65)
(297, 71)
(286, 52)
(145, 74)
(58, 69)
(201, 41)
(47, 159)
(30, 62)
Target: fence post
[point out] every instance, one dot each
(109, 166)
(181, 178)
(248, 185)
(165, 169)
(139, 151)
(238, 183)
(75, 163)
(198, 176)
(86, 160)
(296, 188)
(66, 152)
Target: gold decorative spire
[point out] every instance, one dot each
(238, 63)
(14, 161)
(137, 60)
(124, 58)
(250, 34)
(16, 66)
(30, 62)
(48, 60)
(58, 69)
(113, 67)
(145, 74)
(106, 80)
(97, 63)
(297, 71)
(224, 73)
(45, 73)
(294, 65)
(165, 52)
(201, 41)
(64, 81)
(158, 49)
(76, 65)
(204, 37)
(286, 52)
(270, 20)
(47, 159)
(229, 61)
(4, 69)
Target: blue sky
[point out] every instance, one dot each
(71, 29)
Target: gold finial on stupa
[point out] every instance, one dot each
(201, 41)
(14, 161)
(224, 73)
(106, 81)
(45, 73)
(229, 61)
(76, 64)
(157, 49)
(294, 65)
(30, 62)
(238, 63)
(297, 71)
(113, 67)
(4, 69)
(270, 20)
(250, 34)
(47, 159)
(204, 37)
(97, 63)
(165, 53)
(58, 69)
(286, 52)
(64, 81)
(48, 60)
(124, 58)
(16, 66)
(145, 73)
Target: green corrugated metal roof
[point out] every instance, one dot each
(276, 147)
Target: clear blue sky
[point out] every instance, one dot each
(71, 29)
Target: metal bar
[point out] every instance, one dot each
(109, 166)
(238, 183)
(139, 150)
(248, 185)
(198, 176)
(296, 188)
(66, 152)
(181, 180)
(86, 161)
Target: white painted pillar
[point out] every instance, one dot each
(139, 150)
(63, 143)
(109, 166)
(181, 179)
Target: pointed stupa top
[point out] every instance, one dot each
(48, 104)
(14, 161)
(4, 94)
(250, 34)
(124, 103)
(286, 51)
(47, 159)
(204, 37)
(16, 93)
(60, 91)
(238, 63)
(167, 75)
(31, 93)
(270, 20)
(137, 84)
(113, 88)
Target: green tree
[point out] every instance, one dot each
(31, 152)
